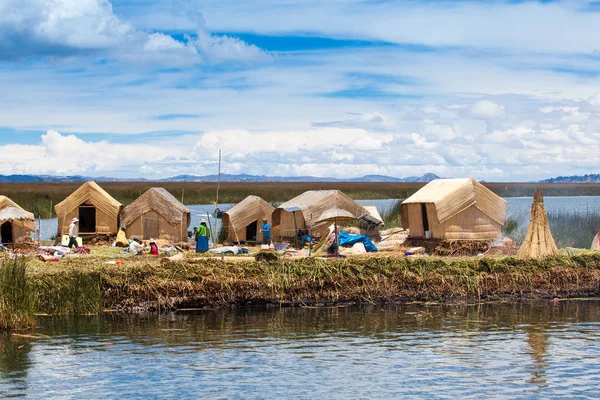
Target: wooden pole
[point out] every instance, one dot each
(218, 185)
(212, 236)
(337, 239)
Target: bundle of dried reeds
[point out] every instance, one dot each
(596, 242)
(538, 241)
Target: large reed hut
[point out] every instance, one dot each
(157, 214)
(303, 212)
(15, 231)
(454, 209)
(243, 221)
(97, 211)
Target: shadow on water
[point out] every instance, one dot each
(14, 361)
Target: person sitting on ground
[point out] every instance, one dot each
(202, 236)
(266, 232)
(136, 247)
(73, 233)
(153, 248)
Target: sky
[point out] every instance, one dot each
(494, 90)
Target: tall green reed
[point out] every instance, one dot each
(16, 295)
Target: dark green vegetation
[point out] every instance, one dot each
(16, 295)
(568, 229)
(38, 197)
(392, 217)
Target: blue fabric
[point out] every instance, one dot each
(202, 244)
(347, 239)
(266, 230)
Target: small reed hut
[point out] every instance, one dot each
(97, 211)
(243, 221)
(538, 242)
(15, 231)
(302, 212)
(157, 214)
(454, 209)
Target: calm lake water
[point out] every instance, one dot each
(510, 350)
(517, 206)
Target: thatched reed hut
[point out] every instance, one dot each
(97, 211)
(454, 209)
(157, 214)
(538, 241)
(243, 221)
(303, 212)
(15, 231)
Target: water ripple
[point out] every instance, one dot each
(513, 350)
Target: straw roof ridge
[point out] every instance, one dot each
(314, 202)
(251, 209)
(453, 196)
(93, 193)
(6, 202)
(158, 200)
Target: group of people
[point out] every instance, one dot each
(202, 235)
(137, 247)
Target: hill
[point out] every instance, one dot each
(588, 178)
(213, 178)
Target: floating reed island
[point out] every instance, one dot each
(88, 285)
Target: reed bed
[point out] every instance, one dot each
(16, 295)
(144, 285)
(38, 197)
(569, 229)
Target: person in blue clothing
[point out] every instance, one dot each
(266, 232)
(202, 235)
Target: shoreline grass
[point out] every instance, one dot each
(16, 295)
(149, 285)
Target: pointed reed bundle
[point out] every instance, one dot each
(538, 241)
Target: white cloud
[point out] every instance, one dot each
(90, 27)
(485, 109)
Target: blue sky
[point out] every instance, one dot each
(496, 90)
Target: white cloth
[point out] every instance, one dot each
(135, 247)
(73, 230)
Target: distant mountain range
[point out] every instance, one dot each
(213, 178)
(589, 178)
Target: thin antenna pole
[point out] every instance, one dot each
(218, 184)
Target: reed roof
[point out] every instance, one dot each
(314, 202)
(92, 193)
(28, 224)
(452, 196)
(160, 201)
(6, 202)
(246, 211)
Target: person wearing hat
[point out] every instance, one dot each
(136, 247)
(153, 247)
(73, 233)
(202, 236)
(266, 232)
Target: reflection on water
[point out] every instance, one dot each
(540, 349)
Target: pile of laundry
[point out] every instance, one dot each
(56, 253)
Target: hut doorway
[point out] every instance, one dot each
(424, 216)
(151, 230)
(87, 219)
(6, 232)
(251, 231)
